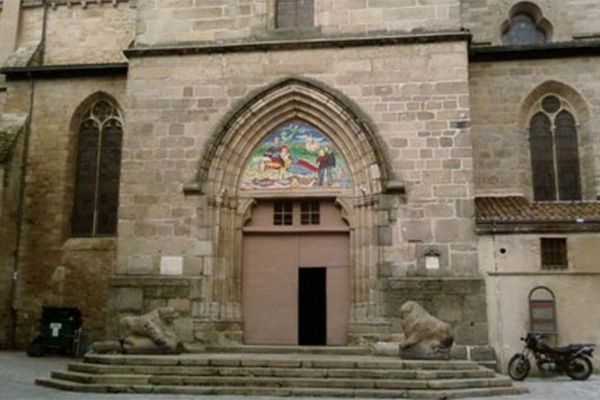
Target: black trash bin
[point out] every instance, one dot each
(60, 331)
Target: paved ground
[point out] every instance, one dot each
(17, 373)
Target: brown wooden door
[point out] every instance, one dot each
(272, 259)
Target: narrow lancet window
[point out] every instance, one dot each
(98, 170)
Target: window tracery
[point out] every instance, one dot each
(98, 170)
(554, 152)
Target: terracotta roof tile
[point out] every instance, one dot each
(517, 209)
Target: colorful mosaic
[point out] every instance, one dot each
(296, 155)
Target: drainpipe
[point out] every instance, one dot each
(22, 187)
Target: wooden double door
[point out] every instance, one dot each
(296, 276)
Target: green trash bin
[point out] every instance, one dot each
(60, 332)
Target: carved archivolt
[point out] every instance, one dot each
(297, 99)
(229, 207)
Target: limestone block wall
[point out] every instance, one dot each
(175, 21)
(416, 96)
(501, 94)
(569, 18)
(77, 34)
(55, 269)
(9, 17)
(459, 301)
(136, 295)
(30, 26)
(10, 184)
(512, 274)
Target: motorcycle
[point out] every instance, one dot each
(574, 359)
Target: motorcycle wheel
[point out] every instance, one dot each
(519, 367)
(580, 368)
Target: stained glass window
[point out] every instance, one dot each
(554, 153)
(98, 169)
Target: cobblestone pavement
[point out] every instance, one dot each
(17, 373)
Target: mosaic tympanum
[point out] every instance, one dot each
(295, 155)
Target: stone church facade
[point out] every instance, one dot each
(224, 157)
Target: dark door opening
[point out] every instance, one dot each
(312, 306)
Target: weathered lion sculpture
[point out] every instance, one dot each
(150, 333)
(425, 337)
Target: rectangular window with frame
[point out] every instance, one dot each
(554, 253)
(310, 212)
(294, 14)
(283, 213)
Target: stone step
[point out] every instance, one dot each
(129, 379)
(280, 391)
(354, 383)
(260, 349)
(279, 372)
(279, 361)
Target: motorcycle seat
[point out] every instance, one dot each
(570, 348)
(567, 349)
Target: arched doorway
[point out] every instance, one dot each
(232, 197)
(296, 246)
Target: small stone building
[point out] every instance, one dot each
(292, 171)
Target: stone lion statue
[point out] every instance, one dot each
(151, 333)
(425, 337)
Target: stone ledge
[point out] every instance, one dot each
(435, 282)
(68, 3)
(576, 48)
(435, 278)
(90, 244)
(64, 71)
(149, 280)
(545, 273)
(281, 45)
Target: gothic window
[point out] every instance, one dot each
(526, 25)
(98, 168)
(523, 30)
(293, 14)
(554, 152)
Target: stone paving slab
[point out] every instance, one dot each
(18, 372)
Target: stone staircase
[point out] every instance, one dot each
(267, 371)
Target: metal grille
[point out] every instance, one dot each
(310, 213)
(554, 253)
(283, 213)
(98, 169)
(294, 13)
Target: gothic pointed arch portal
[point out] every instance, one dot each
(239, 170)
